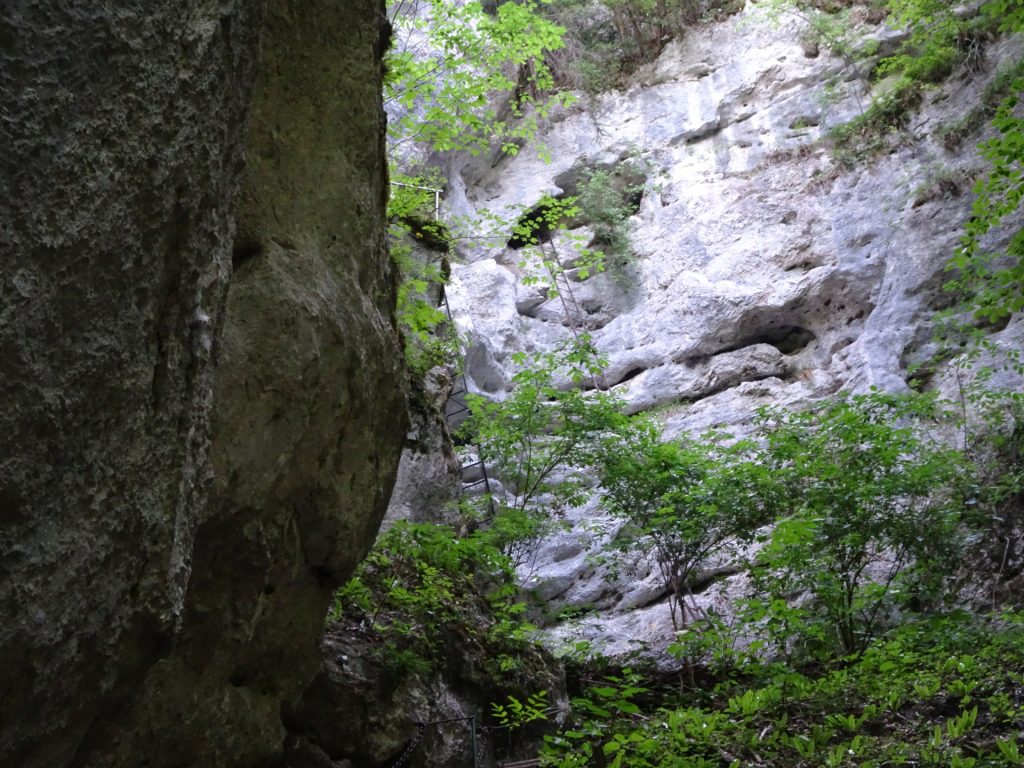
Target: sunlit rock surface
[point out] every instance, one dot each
(764, 272)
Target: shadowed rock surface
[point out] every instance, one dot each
(148, 616)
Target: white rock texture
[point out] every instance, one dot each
(764, 273)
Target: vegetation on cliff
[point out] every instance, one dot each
(846, 649)
(880, 535)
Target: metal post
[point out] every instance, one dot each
(435, 190)
(472, 728)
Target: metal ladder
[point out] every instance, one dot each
(570, 306)
(474, 473)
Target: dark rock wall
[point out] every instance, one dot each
(147, 617)
(120, 155)
(364, 707)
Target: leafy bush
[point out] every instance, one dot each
(422, 274)
(685, 501)
(604, 203)
(995, 280)
(536, 438)
(447, 88)
(423, 583)
(875, 514)
(938, 43)
(941, 692)
(994, 443)
(866, 135)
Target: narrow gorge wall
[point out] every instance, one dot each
(147, 614)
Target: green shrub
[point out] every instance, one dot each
(446, 90)
(867, 134)
(536, 439)
(423, 583)
(994, 280)
(874, 524)
(604, 203)
(427, 340)
(994, 441)
(685, 502)
(940, 692)
(939, 42)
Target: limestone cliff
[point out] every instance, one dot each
(764, 271)
(147, 615)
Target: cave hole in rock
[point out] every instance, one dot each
(241, 676)
(604, 189)
(921, 379)
(533, 227)
(245, 249)
(633, 197)
(788, 339)
(632, 373)
(805, 121)
(703, 580)
(805, 265)
(990, 326)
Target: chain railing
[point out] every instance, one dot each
(421, 728)
(478, 739)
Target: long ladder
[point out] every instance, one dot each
(473, 473)
(570, 306)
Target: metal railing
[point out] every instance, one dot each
(435, 190)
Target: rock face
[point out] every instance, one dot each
(763, 271)
(428, 474)
(145, 615)
(122, 157)
(362, 710)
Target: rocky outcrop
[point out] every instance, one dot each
(123, 140)
(749, 234)
(764, 271)
(428, 475)
(365, 709)
(145, 614)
